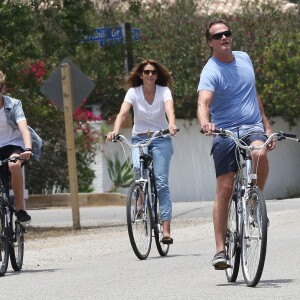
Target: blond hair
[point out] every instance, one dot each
(2, 77)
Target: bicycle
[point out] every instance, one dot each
(12, 232)
(247, 222)
(142, 206)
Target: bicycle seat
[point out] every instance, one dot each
(147, 159)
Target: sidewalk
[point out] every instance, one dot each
(111, 215)
(85, 199)
(115, 215)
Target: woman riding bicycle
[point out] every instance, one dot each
(151, 99)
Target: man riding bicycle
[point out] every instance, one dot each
(227, 99)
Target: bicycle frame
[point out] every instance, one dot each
(247, 178)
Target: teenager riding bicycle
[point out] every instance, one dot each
(150, 97)
(227, 99)
(15, 140)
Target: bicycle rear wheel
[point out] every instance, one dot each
(162, 249)
(16, 245)
(139, 221)
(254, 244)
(232, 245)
(4, 252)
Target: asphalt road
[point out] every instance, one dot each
(98, 263)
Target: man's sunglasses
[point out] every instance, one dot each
(219, 35)
(147, 72)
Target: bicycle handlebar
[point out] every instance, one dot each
(280, 135)
(155, 135)
(10, 159)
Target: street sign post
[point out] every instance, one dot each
(68, 87)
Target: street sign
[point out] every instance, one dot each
(82, 86)
(105, 35)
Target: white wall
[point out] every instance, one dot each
(192, 175)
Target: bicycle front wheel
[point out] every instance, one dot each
(162, 249)
(232, 245)
(4, 252)
(139, 221)
(16, 245)
(255, 231)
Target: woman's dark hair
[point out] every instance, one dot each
(164, 77)
(213, 22)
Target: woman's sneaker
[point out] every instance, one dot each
(23, 217)
(220, 261)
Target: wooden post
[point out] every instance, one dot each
(68, 111)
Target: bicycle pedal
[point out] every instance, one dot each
(223, 267)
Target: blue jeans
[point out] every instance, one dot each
(162, 151)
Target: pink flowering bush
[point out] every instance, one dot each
(33, 74)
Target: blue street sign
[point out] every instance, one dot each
(110, 34)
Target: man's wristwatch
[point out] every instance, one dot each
(28, 149)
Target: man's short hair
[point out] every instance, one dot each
(213, 22)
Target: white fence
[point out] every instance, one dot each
(192, 175)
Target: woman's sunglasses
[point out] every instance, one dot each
(147, 72)
(219, 35)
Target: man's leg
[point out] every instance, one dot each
(260, 164)
(220, 208)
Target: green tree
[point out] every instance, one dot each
(174, 35)
(34, 37)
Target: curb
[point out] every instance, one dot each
(85, 199)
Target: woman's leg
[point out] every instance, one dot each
(162, 151)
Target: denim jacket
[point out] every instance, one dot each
(13, 112)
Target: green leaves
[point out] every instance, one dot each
(120, 174)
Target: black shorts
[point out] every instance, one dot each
(7, 151)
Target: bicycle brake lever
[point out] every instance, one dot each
(116, 139)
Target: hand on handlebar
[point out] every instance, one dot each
(271, 146)
(26, 155)
(208, 128)
(111, 136)
(172, 130)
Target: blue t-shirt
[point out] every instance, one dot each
(234, 100)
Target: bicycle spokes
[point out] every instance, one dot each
(138, 221)
(232, 241)
(254, 238)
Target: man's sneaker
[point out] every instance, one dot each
(23, 217)
(219, 261)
